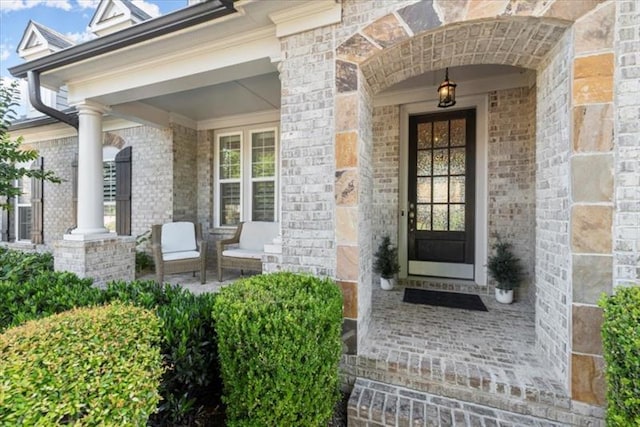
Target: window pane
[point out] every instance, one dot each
(440, 222)
(110, 216)
(423, 217)
(456, 217)
(440, 190)
(230, 157)
(24, 223)
(424, 162)
(424, 135)
(441, 134)
(424, 190)
(458, 132)
(230, 203)
(456, 189)
(263, 202)
(109, 180)
(263, 155)
(457, 161)
(440, 162)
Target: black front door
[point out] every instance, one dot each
(441, 194)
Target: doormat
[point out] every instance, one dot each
(444, 299)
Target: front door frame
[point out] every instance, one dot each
(480, 103)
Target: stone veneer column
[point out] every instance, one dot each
(90, 179)
(591, 197)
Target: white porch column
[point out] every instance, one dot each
(90, 179)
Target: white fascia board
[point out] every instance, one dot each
(307, 16)
(465, 88)
(240, 120)
(61, 130)
(205, 57)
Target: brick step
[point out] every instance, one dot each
(485, 386)
(374, 404)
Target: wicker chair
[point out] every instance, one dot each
(178, 247)
(244, 250)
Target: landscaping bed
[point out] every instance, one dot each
(295, 319)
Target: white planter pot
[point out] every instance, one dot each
(504, 296)
(387, 284)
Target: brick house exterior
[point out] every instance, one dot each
(558, 162)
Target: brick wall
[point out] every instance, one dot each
(386, 170)
(626, 236)
(152, 176)
(307, 153)
(185, 174)
(553, 251)
(58, 216)
(104, 260)
(511, 176)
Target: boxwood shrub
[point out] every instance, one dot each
(86, 366)
(43, 294)
(279, 345)
(621, 342)
(187, 343)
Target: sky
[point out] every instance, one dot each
(67, 17)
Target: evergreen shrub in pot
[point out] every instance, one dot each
(386, 263)
(506, 269)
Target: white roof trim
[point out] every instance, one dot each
(29, 50)
(306, 16)
(111, 16)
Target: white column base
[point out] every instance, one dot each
(90, 234)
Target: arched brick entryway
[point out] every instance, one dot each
(575, 77)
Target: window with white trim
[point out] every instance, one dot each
(109, 186)
(23, 207)
(246, 176)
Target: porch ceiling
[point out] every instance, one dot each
(241, 96)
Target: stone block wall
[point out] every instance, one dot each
(104, 260)
(553, 250)
(592, 197)
(185, 173)
(626, 227)
(511, 177)
(204, 192)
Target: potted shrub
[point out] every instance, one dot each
(506, 269)
(386, 263)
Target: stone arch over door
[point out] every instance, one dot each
(434, 34)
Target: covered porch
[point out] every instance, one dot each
(428, 365)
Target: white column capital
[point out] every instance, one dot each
(89, 107)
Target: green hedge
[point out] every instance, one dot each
(43, 294)
(81, 367)
(621, 341)
(188, 346)
(19, 266)
(279, 343)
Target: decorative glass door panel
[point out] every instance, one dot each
(441, 192)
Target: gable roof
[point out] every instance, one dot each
(113, 15)
(38, 40)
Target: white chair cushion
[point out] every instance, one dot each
(242, 253)
(256, 234)
(178, 237)
(173, 256)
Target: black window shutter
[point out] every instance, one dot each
(123, 192)
(74, 191)
(37, 192)
(4, 220)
